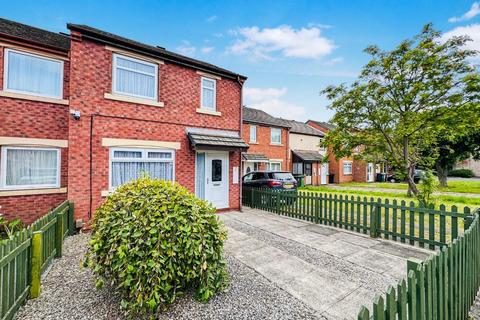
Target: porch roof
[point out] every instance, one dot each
(254, 157)
(216, 142)
(308, 155)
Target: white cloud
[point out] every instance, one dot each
(211, 19)
(473, 31)
(306, 43)
(270, 101)
(473, 12)
(207, 50)
(186, 49)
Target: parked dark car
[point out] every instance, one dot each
(417, 176)
(279, 180)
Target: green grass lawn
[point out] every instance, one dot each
(458, 201)
(453, 186)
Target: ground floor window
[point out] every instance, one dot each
(274, 166)
(297, 168)
(347, 168)
(30, 168)
(128, 164)
(308, 169)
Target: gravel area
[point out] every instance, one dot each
(475, 310)
(68, 292)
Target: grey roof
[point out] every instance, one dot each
(308, 155)
(303, 128)
(199, 140)
(255, 157)
(325, 125)
(107, 37)
(31, 34)
(252, 115)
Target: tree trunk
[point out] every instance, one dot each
(442, 172)
(412, 187)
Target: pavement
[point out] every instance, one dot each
(330, 270)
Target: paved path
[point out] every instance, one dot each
(400, 191)
(332, 271)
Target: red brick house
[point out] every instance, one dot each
(268, 138)
(125, 107)
(345, 169)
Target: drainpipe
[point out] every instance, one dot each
(240, 167)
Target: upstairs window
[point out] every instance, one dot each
(30, 168)
(208, 94)
(253, 134)
(129, 164)
(32, 74)
(275, 136)
(134, 77)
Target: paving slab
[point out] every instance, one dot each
(331, 288)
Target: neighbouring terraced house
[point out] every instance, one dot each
(84, 112)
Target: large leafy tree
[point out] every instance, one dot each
(402, 101)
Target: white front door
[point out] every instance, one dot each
(324, 173)
(216, 179)
(369, 172)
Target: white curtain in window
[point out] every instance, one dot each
(123, 172)
(135, 78)
(35, 75)
(31, 167)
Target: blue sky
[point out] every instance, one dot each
(289, 50)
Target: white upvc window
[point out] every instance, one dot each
(129, 164)
(32, 74)
(275, 135)
(274, 166)
(30, 168)
(208, 99)
(253, 134)
(134, 77)
(297, 168)
(347, 167)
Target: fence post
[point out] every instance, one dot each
(374, 221)
(36, 267)
(59, 228)
(71, 223)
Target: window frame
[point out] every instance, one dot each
(214, 94)
(350, 164)
(255, 129)
(274, 162)
(144, 158)
(271, 136)
(115, 56)
(38, 56)
(3, 169)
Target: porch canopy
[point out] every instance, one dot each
(308, 155)
(207, 141)
(254, 157)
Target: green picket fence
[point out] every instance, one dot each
(442, 287)
(394, 220)
(28, 253)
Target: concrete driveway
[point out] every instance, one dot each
(330, 270)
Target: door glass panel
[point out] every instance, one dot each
(216, 170)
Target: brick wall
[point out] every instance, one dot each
(179, 90)
(264, 146)
(32, 119)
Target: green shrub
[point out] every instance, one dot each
(428, 185)
(155, 241)
(461, 173)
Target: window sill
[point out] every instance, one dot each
(24, 96)
(277, 144)
(253, 142)
(209, 112)
(106, 193)
(31, 192)
(128, 99)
